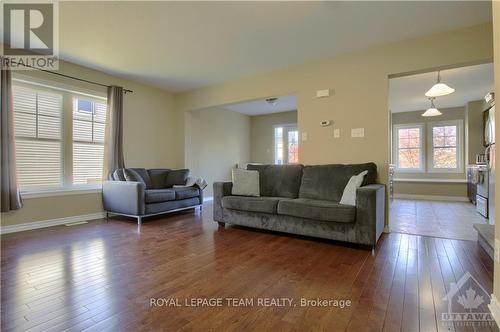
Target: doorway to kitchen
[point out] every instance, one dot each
(441, 179)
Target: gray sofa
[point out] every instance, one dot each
(304, 200)
(139, 193)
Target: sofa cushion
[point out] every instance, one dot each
(158, 177)
(176, 177)
(159, 195)
(253, 204)
(137, 175)
(186, 192)
(327, 182)
(279, 180)
(317, 210)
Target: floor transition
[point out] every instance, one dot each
(104, 275)
(452, 220)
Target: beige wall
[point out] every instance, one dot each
(360, 81)
(216, 140)
(496, 31)
(150, 140)
(430, 189)
(474, 123)
(262, 134)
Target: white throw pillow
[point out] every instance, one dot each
(349, 195)
(245, 183)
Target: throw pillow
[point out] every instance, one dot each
(177, 177)
(118, 175)
(245, 183)
(349, 195)
(133, 176)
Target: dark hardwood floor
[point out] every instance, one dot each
(103, 275)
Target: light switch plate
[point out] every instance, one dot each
(323, 93)
(336, 133)
(357, 132)
(497, 251)
(304, 136)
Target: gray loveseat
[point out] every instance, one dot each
(138, 193)
(304, 200)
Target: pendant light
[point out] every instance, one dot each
(439, 89)
(432, 111)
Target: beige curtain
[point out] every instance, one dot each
(10, 197)
(113, 146)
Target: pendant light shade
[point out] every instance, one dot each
(439, 89)
(432, 111)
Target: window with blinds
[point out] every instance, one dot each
(38, 135)
(59, 137)
(89, 121)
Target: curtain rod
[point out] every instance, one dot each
(71, 77)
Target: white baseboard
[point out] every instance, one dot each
(432, 197)
(494, 307)
(49, 223)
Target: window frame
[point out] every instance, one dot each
(459, 146)
(69, 93)
(421, 127)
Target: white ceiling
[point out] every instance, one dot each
(186, 45)
(470, 83)
(260, 107)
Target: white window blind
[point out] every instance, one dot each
(89, 121)
(38, 137)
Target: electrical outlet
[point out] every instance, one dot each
(304, 136)
(497, 251)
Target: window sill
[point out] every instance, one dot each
(432, 180)
(61, 192)
(406, 171)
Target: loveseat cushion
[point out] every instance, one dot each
(327, 182)
(186, 192)
(317, 210)
(253, 204)
(159, 195)
(278, 180)
(138, 175)
(176, 177)
(158, 177)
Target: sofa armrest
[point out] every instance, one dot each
(221, 189)
(370, 213)
(125, 197)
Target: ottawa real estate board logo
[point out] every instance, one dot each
(30, 35)
(467, 304)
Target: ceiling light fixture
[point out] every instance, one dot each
(432, 111)
(439, 89)
(272, 101)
